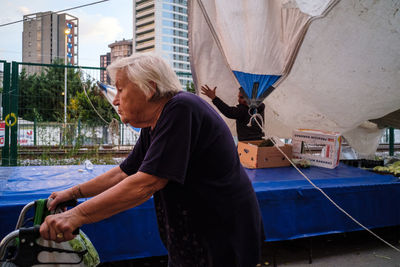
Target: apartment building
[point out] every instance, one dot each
(48, 36)
(162, 26)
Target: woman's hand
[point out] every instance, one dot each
(205, 90)
(61, 196)
(59, 227)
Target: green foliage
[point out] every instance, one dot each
(80, 107)
(190, 88)
(42, 97)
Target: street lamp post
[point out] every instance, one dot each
(67, 32)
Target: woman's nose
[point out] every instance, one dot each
(116, 101)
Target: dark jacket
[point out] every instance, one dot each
(241, 114)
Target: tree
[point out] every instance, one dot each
(190, 88)
(42, 96)
(82, 110)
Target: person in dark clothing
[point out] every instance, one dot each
(240, 113)
(207, 211)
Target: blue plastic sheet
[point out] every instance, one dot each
(130, 234)
(247, 80)
(290, 206)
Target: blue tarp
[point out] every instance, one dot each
(247, 80)
(290, 206)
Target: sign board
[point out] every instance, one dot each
(2, 133)
(327, 144)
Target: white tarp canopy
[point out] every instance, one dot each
(322, 64)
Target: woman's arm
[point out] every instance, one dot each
(90, 188)
(129, 193)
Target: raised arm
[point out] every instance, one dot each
(228, 111)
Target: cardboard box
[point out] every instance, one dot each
(252, 156)
(321, 148)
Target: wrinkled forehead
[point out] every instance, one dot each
(121, 77)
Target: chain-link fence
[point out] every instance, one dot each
(58, 108)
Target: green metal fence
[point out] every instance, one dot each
(56, 106)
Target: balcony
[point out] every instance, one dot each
(144, 45)
(145, 28)
(145, 21)
(144, 5)
(145, 13)
(145, 37)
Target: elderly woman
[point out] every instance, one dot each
(207, 210)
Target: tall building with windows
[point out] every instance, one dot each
(105, 60)
(119, 49)
(48, 36)
(162, 26)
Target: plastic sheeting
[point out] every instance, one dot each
(290, 207)
(127, 235)
(339, 61)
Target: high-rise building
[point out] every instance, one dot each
(48, 36)
(105, 60)
(162, 26)
(119, 49)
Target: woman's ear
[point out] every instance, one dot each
(153, 84)
(154, 90)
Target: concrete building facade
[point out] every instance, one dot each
(119, 49)
(162, 26)
(105, 60)
(44, 38)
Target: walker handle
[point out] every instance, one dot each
(68, 203)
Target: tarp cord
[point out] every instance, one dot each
(315, 186)
(113, 126)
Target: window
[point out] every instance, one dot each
(167, 15)
(175, 32)
(181, 66)
(168, 23)
(173, 24)
(167, 48)
(168, 7)
(174, 16)
(175, 8)
(180, 2)
(168, 39)
(168, 31)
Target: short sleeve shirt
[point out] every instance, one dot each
(208, 213)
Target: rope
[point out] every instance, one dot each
(319, 189)
(95, 110)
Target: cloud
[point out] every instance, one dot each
(23, 10)
(99, 28)
(96, 32)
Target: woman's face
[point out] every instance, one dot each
(131, 101)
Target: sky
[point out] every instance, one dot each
(99, 25)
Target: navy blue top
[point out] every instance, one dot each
(208, 214)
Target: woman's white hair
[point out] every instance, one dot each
(143, 68)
